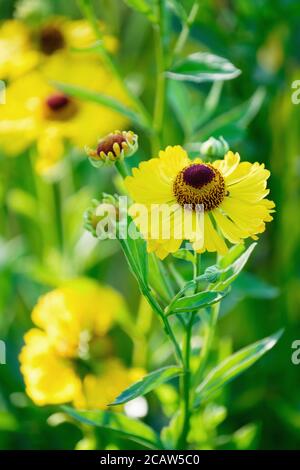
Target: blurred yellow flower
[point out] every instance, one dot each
(68, 358)
(230, 193)
(36, 111)
(22, 47)
(16, 54)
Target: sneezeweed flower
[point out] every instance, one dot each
(32, 11)
(112, 148)
(68, 356)
(38, 112)
(214, 148)
(231, 194)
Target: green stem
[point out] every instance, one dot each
(185, 387)
(186, 28)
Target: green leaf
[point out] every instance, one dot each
(22, 203)
(101, 99)
(234, 365)
(185, 102)
(146, 7)
(234, 121)
(203, 67)
(148, 383)
(118, 423)
(184, 254)
(197, 301)
(231, 273)
(178, 9)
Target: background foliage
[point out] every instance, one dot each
(41, 231)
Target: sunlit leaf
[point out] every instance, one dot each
(135, 251)
(203, 67)
(148, 383)
(234, 365)
(118, 423)
(232, 124)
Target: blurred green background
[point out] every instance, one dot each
(256, 115)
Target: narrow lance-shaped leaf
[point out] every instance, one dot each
(203, 67)
(234, 365)
(134, 248)
(147, 384)
(146, 7)
(120, 424)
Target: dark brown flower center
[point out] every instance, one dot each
(58, 101)
(51, 39)
(59, 106)
(198, 185)
(107, 145)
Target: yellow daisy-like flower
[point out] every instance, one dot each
(16, 55)
(230, 193)
(67, 358)
(22, 48)
(36, 111)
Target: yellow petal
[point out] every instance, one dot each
(48, 379)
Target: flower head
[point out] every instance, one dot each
(228, 194)
(115, 146)
(68, 356)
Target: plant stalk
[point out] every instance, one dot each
(185, 387)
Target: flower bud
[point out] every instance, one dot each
(114, 147)
(214, 148)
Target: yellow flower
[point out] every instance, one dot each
(67, 358)
(36, 111)
(229, 192)
(22, 48)
(16, 55)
